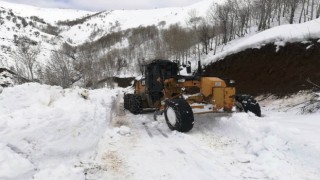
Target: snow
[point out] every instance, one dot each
(123, 130)
(61, 172)
(49, 128)
(135, 18)
(50, 15)
(309, 46)
(52, 133)
(11, 162)
(10, 28)
(279, 35)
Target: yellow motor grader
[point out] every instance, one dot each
(180, 97)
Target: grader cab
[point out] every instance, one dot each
(180, 97)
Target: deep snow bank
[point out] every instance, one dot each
(277, 146)
(45, 130)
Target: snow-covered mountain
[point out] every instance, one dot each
(52, 27)
(109, 21)
(106, 20)
(50, 15)
(36, 23)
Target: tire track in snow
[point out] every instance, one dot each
(161, 132)
(152, 129)
(148, 130)
(113, 149)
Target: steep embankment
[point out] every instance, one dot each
(270, 70)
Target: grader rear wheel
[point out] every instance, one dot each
(135, 104)
(248, 103)
(126, 100)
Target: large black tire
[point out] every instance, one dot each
(179, 115)
(135, 104)
(126, 101)
(248, 103)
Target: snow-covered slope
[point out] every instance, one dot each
(279, 35)
(133, 18)
(50, 15)
(42, 25)
(35, 23)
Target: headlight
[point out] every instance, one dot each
(232, 81)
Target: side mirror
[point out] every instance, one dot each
(189, 69)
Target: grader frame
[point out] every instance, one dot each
(179, 97)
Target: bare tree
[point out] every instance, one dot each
(312, 9)
(89, 64)
(141, 63)
(194, 20)
(265, 7)
(179, 40)
(204, 35)
(108, 66)
(223, 17)
(161, 24)
(69, 51)
(302, 10)
(318, 11)
(60, 70)
(293, 6)
(27, 53)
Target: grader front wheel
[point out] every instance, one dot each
(179, 115)
(126, 100)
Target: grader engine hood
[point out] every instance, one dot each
(208, 83)
(214, 94)
(215, 90)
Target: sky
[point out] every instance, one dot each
(99, 5)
